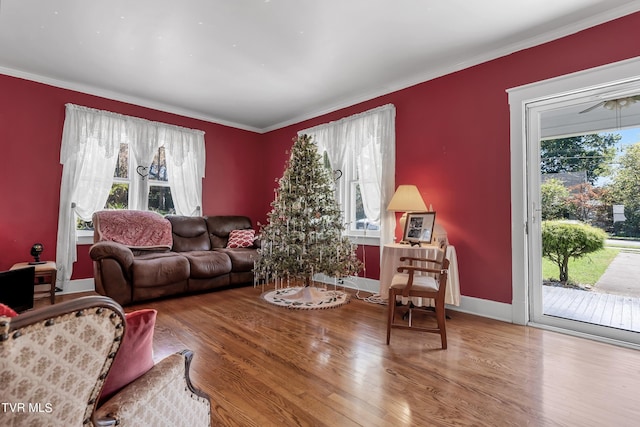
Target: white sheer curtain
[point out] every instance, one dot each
(90, 144)
(370, 174)
(185, 168)
(328, 139)
(370, 138)
(143, 143)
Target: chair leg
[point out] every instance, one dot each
(391, 304)
(441, 319)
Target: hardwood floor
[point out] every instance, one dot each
(264, 365)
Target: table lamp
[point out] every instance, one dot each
(407, 198)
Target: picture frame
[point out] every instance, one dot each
(419, 227)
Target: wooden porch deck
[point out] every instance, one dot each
(616, 311)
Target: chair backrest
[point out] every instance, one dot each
(443, 253)
(189, 233)
(54, 360)
(16, 288)
(443, 265)
(442, 279)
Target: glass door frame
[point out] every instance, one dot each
(527, 103)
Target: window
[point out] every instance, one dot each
(119, 193)
(154, 179)
(122, 162)
(361, 151)
(349, 187)
(160, 199)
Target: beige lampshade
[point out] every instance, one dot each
(407, 198)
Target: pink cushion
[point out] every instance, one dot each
(241, 238)
(7, 311)
(135, 229)
(135, 356)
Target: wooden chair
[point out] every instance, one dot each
(408, 282)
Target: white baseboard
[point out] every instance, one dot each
(477, 306)
(485, 308)
(78, 285)
(352, 282)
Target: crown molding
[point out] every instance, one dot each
(385, 90)
(122, 97)
(432, 74)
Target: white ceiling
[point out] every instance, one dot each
(583, 117)
(263, 64)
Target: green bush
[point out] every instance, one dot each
(562, 240)
(554, 199)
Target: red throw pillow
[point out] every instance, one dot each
(241, 238)
(7, 311)
(135, 356)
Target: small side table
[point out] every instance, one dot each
(47, 272)
(391, 254)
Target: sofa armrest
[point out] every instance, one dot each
(162, 396)
(117, 251)
(257, 243)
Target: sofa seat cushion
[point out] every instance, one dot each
(242, 259)
(159, 269)
(207, 264)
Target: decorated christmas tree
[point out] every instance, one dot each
(304, 231)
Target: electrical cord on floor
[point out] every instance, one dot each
(374, 299)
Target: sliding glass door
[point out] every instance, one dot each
(573, 146)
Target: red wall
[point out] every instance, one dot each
(452, 142)
(31, 121)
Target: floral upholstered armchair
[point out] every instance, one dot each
(54, 363)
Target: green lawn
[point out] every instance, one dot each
(586, 270)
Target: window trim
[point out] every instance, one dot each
(84, 237)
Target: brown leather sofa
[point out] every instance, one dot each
(197, 261)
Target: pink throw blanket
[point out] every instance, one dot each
(135, 229)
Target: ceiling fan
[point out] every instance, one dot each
(614, 104)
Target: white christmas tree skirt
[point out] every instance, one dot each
(306, 298)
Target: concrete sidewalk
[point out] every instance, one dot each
(622, 277)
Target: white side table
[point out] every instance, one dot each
(391, 254)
